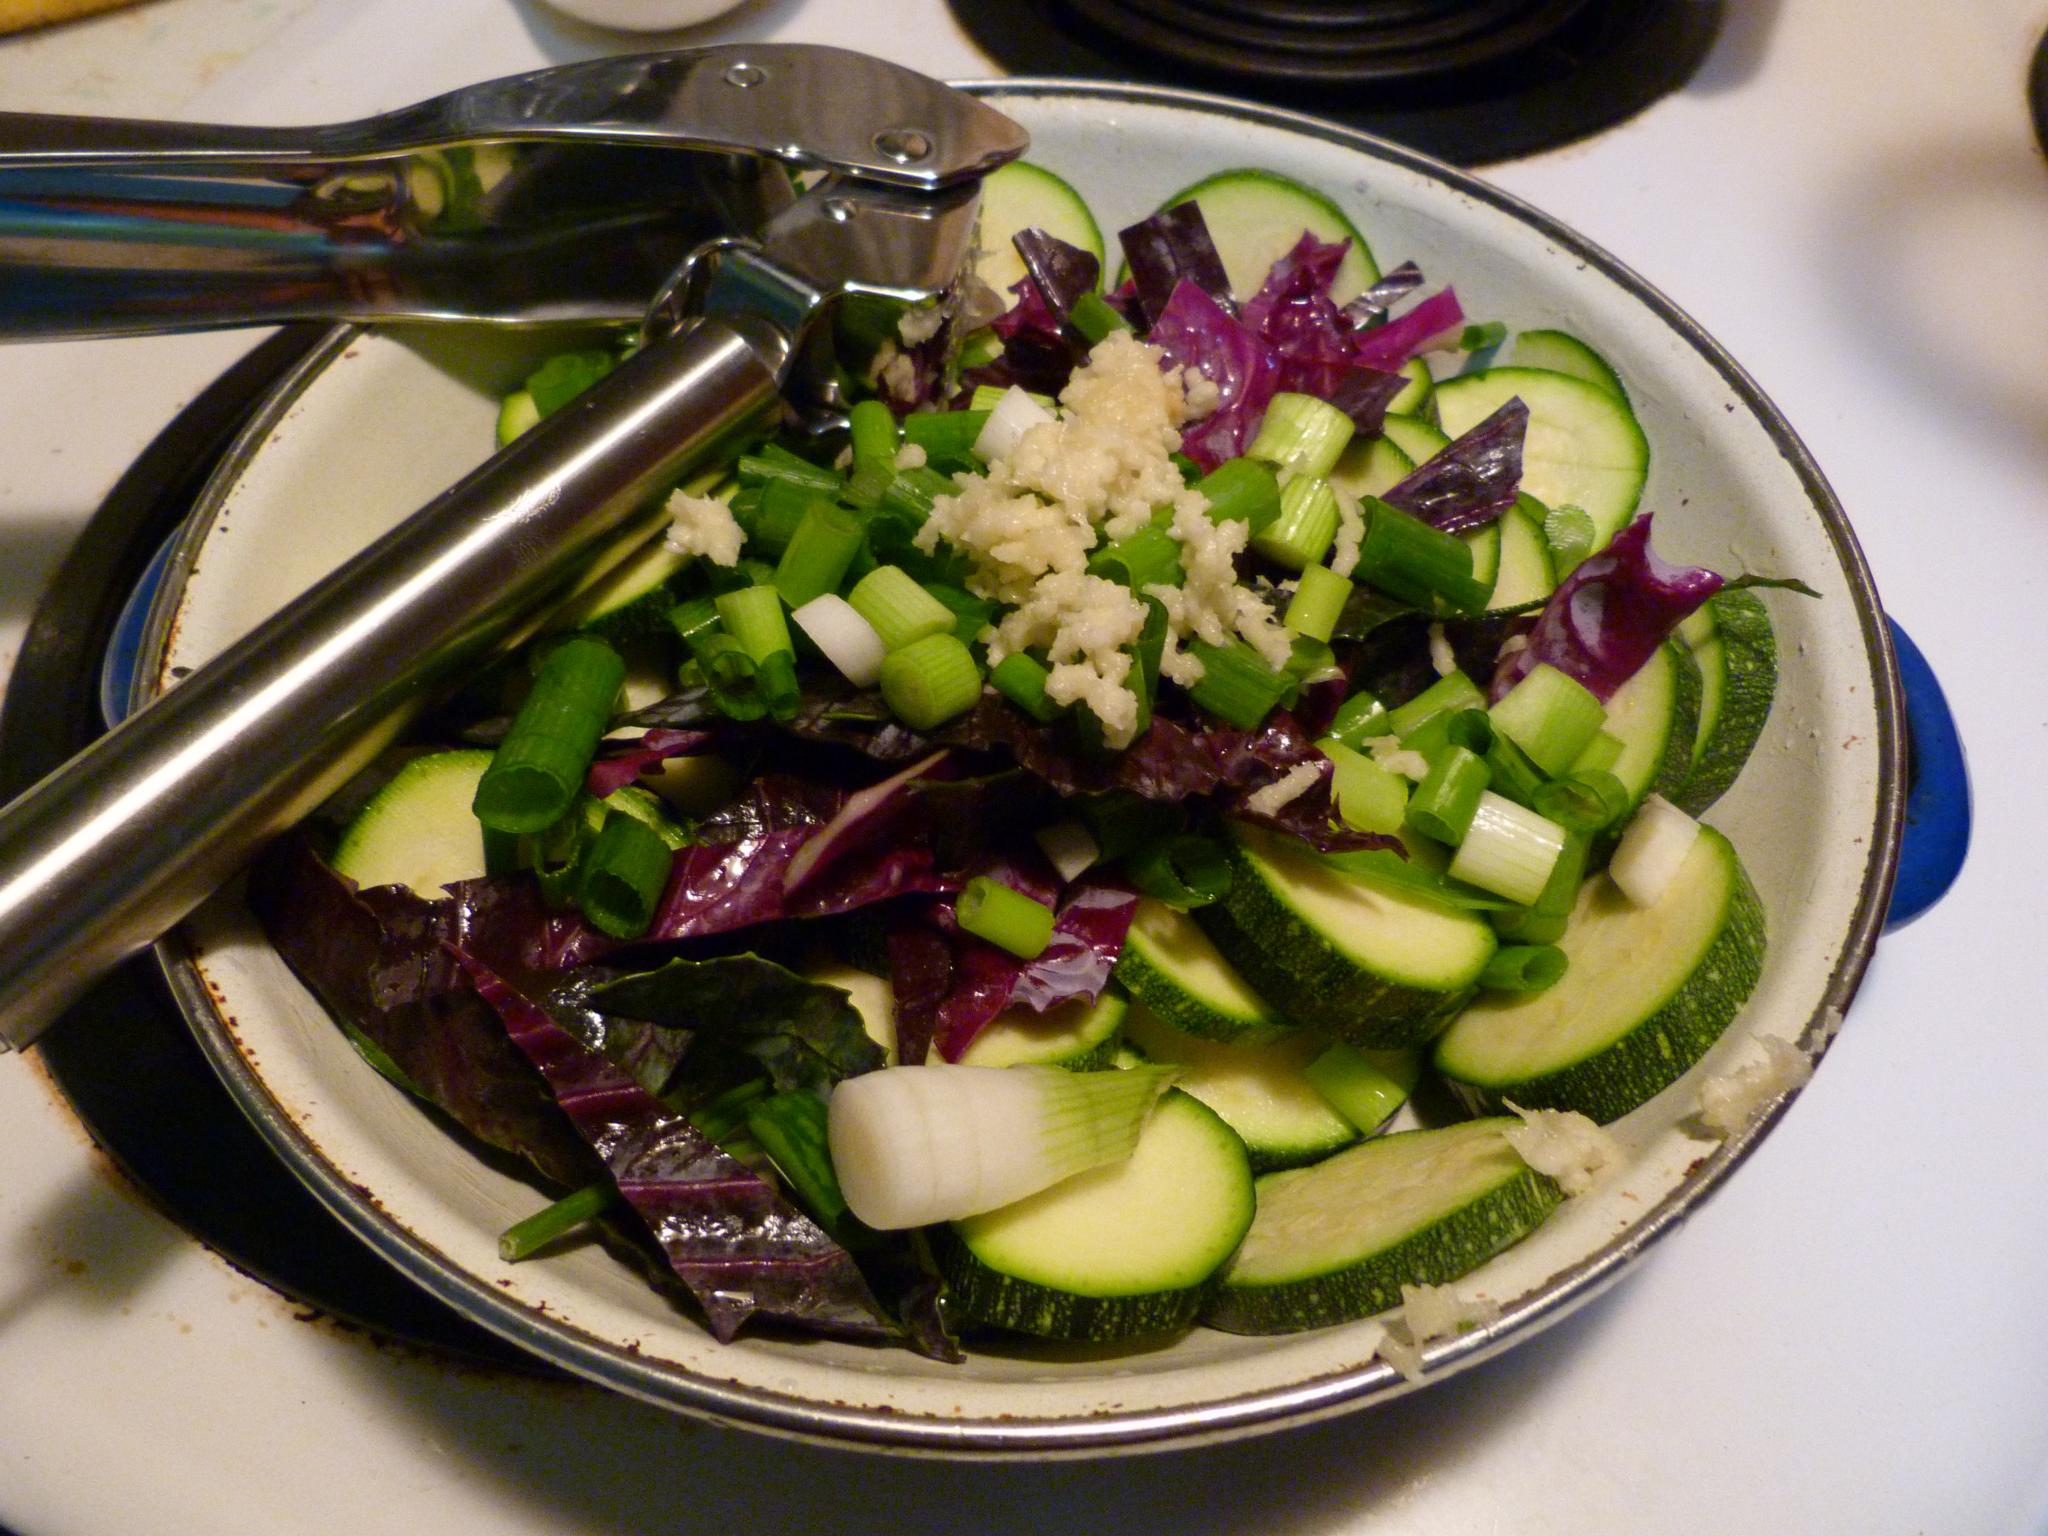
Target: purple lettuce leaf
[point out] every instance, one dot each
(1609, 615)
(1248, 761)
(867, 815)
(729, 1235)
(1171, 248)
(1311, 339)
(1472, 480)
(1389, 346)
(1197, 332)
(1383, 295)
(1038, 355)
(619, 766)
(920, 974)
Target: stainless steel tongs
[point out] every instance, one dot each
(739, 306)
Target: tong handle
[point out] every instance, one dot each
(112, 849)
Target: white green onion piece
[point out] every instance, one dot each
(1653, 846)
(917, 1145)
(1508, 850)
(1012, 416)
(849, 641)
(1070, 847)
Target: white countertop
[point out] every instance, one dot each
(1849, 1339)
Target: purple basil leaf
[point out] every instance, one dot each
(1383, 295)
(1037, 355)
(1610, 614)
(920, 976)
(622, 765)
(1364, 394)
(740, 1247)
(1197, 332)
(1388, 346)
(1062, 272)
(1168, 249)
(1472, 480)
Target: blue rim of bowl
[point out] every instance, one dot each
(1222, 1418)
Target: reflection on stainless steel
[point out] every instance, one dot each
(112, 849)
(564, 195)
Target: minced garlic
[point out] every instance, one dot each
(703, 525)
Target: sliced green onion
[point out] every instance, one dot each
(1148, 558)
(517, 414)
(1007, 918)
(775, 463)
(1185, 871)
(846, 639)
(929, 681)
(1569, 531)
(1551, 716)
(874, 434)
(731, 674)
(1306, 527)
(913, 1145)
(1302, 435)
(1236, 684)
(1447, 799)
(565, 376)
(1070, 847)
(1368, 796)
(1020, 678)
(556, 853)
(1243, 491)
(1457, 691)
(1583, 801)
(1015, 413)
(947, 437)
(1653, 847)
(1466, 728)
(1190, 471)
(1365, 1087)
(1600, 754)
(1477, 338)
(1146, 653)
(522, 1240)
(1318, 601)
(718, 1118)
(1120, 821)
(1095, 318)
(623, 874)
(1404, 556)
(777, 514)
(753, 616)
(986, 397)
(780, 691)
(971, 614)
(537, 770)
(819, 552)
(911, 493)
(1312, 661)
(697, 617)
(1513, 774)
(1523, 968)
(1544, 920)
(790, 1127)
(1358, 719)
(1508, 849)
(889, 598)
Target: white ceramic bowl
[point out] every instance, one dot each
(374, 425)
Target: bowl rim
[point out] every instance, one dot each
(1231, 1415)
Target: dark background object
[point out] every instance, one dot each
(1471, 81)
(2037, 92)
(122, 1056)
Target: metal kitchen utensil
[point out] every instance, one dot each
(108, 852)
(567, 194)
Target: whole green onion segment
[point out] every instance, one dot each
(1545, 919)
(947, 437)
(900, 610)
(1148, 558)
(1365, 1087)
(1094, 318)
(790, 1127)
(1317, 603)
(1120, 821)
(1021, 678)
(1447, 799)
(1007, 918)
(622, 877)
(1523, 968)
(1583, 800)
(1306, 527)
(874, 444)
(1242, 490)
(929, 681)
(1368, 797)
(524, 1239)
(774, 463)
(1551, 716)
(541, 764)
(1184, 871)
(1236, 684)
(1302, 435)
(1360, 718)
(1403, 555)
(1147, 651)
(1457, 691)
(819, 552)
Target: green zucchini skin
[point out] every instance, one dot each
(1310, 980)
(1749, 683)
(1338, 1287)
(1656, 1051)
(1154, 969)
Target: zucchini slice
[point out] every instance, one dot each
(1584, 448)
(1114, 1253)
(418, 830)
(1656, 715)
(1647, 991)
(1527, 570)
(1339, 1240)
(1371, 466)
(1259, 1090)
(1414, 436)
(1170, 966)
(1417, 400)
(1736, 652)
(1021, 196)
(1561, 352)
(1079, 1036)
(1256, 217)
(1380, 969)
